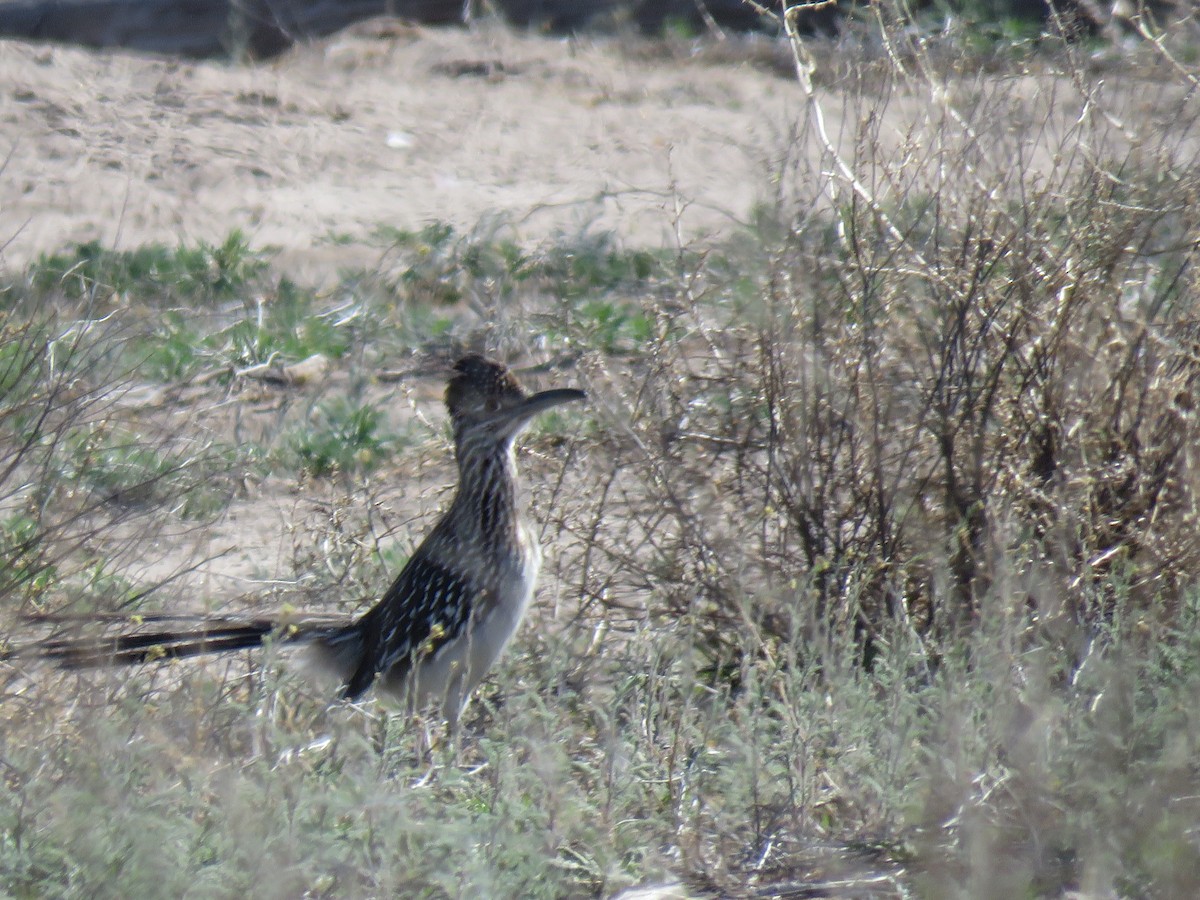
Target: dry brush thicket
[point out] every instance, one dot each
(945, 433)
(965, 369)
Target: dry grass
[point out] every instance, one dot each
(871, 565)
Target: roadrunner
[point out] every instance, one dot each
(453, 608)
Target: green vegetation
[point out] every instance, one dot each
(121, 467)
(436, 265)
(156, 273)
(871, 567)
(341, 437)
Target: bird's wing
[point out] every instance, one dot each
(427, 605)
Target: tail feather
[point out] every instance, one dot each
(208, 637)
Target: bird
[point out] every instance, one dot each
(453, 608)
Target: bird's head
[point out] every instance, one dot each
(485, 400)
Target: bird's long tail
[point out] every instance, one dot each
(148, 639)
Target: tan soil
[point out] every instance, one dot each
(385, 125)
(389, 124)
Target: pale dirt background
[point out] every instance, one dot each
(387, 124)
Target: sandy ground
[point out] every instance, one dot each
(385, 125)
(389, 124)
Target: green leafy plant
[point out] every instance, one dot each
(342, 437)
(155, 273)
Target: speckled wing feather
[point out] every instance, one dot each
(427, 605)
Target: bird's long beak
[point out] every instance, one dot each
(544, 400)
(519, 416)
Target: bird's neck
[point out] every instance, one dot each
(487, 500)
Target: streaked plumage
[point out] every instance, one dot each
(453, 608)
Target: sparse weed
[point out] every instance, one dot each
(286, 325)
(123, 467)
(173, 351)
(153, 274)
(82, 468)
(195, 309)
(342, 437)
(609, 326)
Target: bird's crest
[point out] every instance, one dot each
(480, 387)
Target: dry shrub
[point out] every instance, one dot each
(85, 476)
(960, 364)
